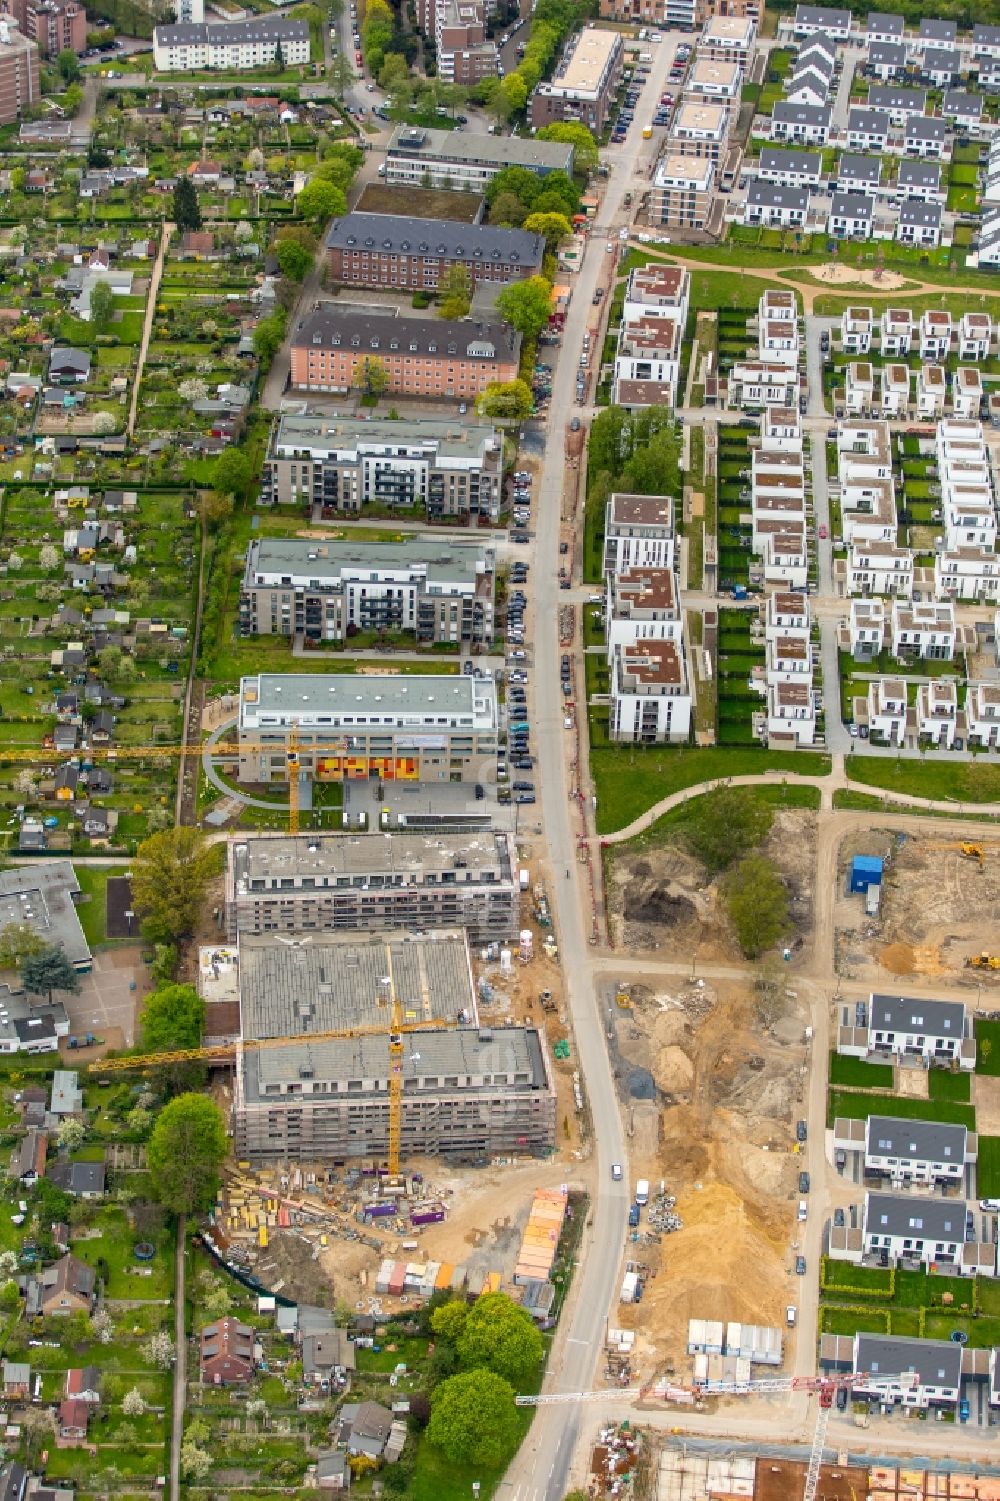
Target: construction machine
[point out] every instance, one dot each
(983, 961)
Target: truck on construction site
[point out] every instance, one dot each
(642, 1192)
(427, 1214)
(523, 879)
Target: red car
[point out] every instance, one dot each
(823, 533)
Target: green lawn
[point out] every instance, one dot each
(630, 779)
(988, 1048)
(943, 1085)
(93, 909)
(967, 781)
(856, 1073)
(988, 1168)
(860, 1106)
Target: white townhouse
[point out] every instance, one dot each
(896, 103)
(879, 568)
(790, 169)
(784, 552)
(800, 124)
(902, 1227)
(975, 334)
(887, 61)
(762, 383)
(896, 332)
(911, 1373)
(885, 710)
(859, 174)
(932, 389)
(791, 714)
(926, 136)
(967, 574)
(937, 713)
(936, 329)
(982, 714)
(919, 180)
(914, 1027)
(822, 19)
(936, 33)
(915, 1151)
(919, 224)
(867, 628)
(963, 110)
(774, 207)
(966, 391)
(895, 394)
(867, 129)
(924, 629)
(884, 26)
(787, 614)
(859, 388)
(856, 325)
(851, 217)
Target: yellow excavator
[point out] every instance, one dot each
(983, 961)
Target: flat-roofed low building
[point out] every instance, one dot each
(879, 568)
(324, 883)
(681, 195)
(971, 574)
(468, 1093)
(650, 693)
(417, 727)
(437, 591)
(417, 156)
(584, 82)
(43, 897)
(647, 361)
(925, 629)
(438, 466)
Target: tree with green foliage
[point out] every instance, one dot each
(72, 99)
(510, 400)
(69, 65)
(473, 1419)
(102, 306)
(757, 902)
(572, 133)
(553, 227)
(727, 824)
(268, 337)
(370, 375)
(454, 292)
(393, 72)
(294, 259)
(186, 211)
(233, 474)
(508, 211)
(47, 970)
(376, 34)
(448, 1321)
(170, 875)
(17, 942)
(502, 1335)
(321, 201)
(526, 305)
(185, 1154)
(173, 1017)
(279, 57)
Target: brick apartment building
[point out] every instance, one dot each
(584, 82)
(684, 15)
(19, 82)
(332, 346)
(457, 28)
(391, 250)
(56, 25)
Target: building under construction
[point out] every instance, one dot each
(349, 882)
(467, 1092)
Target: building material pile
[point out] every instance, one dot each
(541, 1236)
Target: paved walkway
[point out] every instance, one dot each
(147, 327)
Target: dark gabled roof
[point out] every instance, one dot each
(909, 1216)
(857, 165)
(871, 121)
(472, 244)
(960, 102)
(915, 211)
(915, 1141)
(890, 97)
(881, 20)
(937, 31)
(802, 114)
(937, 1362)
(926, 127)
(852, 206)
(929, 1018)
(911, 171)
(770, 195)
(332, 326)
(227, 33)
(779, 159)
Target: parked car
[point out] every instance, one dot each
(801, 1131)
(800, 1266)
(803, 1183)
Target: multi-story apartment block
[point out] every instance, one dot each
(781, 430)
(638, 533)
(681, 196)
(465, 1091)
(438, 592)
(334, 347)
(418, 157)
(650, 693)
(418, 728)
(784, 553)
(791, 715)
(762, 383)
(647, 358)
(786, 614)
(714, 80)
(328, 883)
(867, 628)
(56, 25)
(643, 604)
(584, 82)
(982, 714)
(230, 45)
(442, 468)
(728, 38)
(699, 129)
(390, 251)
(681, 15)
(923, 630)
(20, 90)
(465, 55)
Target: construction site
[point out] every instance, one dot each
(936, 903)
(659, 895)
(713, 1078)
(685, 1474)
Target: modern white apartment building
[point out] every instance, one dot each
(923, 630)
(650, 693)
(879, 568)
(969, 574)
(937, 713)
(866, 628)
(884, 710)
(638, 532)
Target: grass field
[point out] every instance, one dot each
(988, 1048)
(628, 780)
(988, 1167)
(856, 1073)
(859, 1106)
(93, 910)
(674, 823)
(966, 781)
(943, 1085)
(419, 203)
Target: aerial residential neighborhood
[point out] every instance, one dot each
(499, 750)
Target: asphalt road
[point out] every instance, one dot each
(542, 1466)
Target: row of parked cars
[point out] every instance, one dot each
(518, 751)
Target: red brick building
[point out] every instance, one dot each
(19, 82)
(334, 347)
(389, 250)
